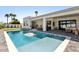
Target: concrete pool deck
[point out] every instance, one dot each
(3, 44)
(73, 46)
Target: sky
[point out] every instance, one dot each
(24, 11)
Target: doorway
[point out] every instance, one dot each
(48, 26)
(66, 24)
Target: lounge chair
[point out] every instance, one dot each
(68, 30)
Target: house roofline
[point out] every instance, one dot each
(56, 12)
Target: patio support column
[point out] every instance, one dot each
(52, 27)
(44, 24)
(29, 24)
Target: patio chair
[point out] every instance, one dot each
(68, 29)
(76, 32)
(73, 30)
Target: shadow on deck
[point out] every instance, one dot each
(62, 32)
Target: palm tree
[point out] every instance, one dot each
(36, 12)
(13, 19)
(14, 15)
(7, 15)
(11, 15)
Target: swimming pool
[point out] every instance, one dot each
(40, 42)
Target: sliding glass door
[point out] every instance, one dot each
(48, 26)
(67, 24)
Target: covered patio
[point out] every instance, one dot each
(68, 23)
(43, 24)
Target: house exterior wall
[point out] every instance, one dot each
(26, 23)
(39, 22)
(55, 20)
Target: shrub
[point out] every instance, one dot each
(2, 25)
(14, 22)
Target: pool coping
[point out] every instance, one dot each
(60, 48)
(10, 44)
(63, 45)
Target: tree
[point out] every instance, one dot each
(11, 15)
(15, 22)
(13, 19)
(36, 12)
(7, 15)
(14, 15)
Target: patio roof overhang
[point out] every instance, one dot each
(65, 12)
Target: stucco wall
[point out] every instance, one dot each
(39, 22)
(27, 23)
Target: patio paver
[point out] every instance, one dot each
(73, 46)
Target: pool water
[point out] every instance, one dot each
(40, 42)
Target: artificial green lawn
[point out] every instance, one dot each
(11, 29)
